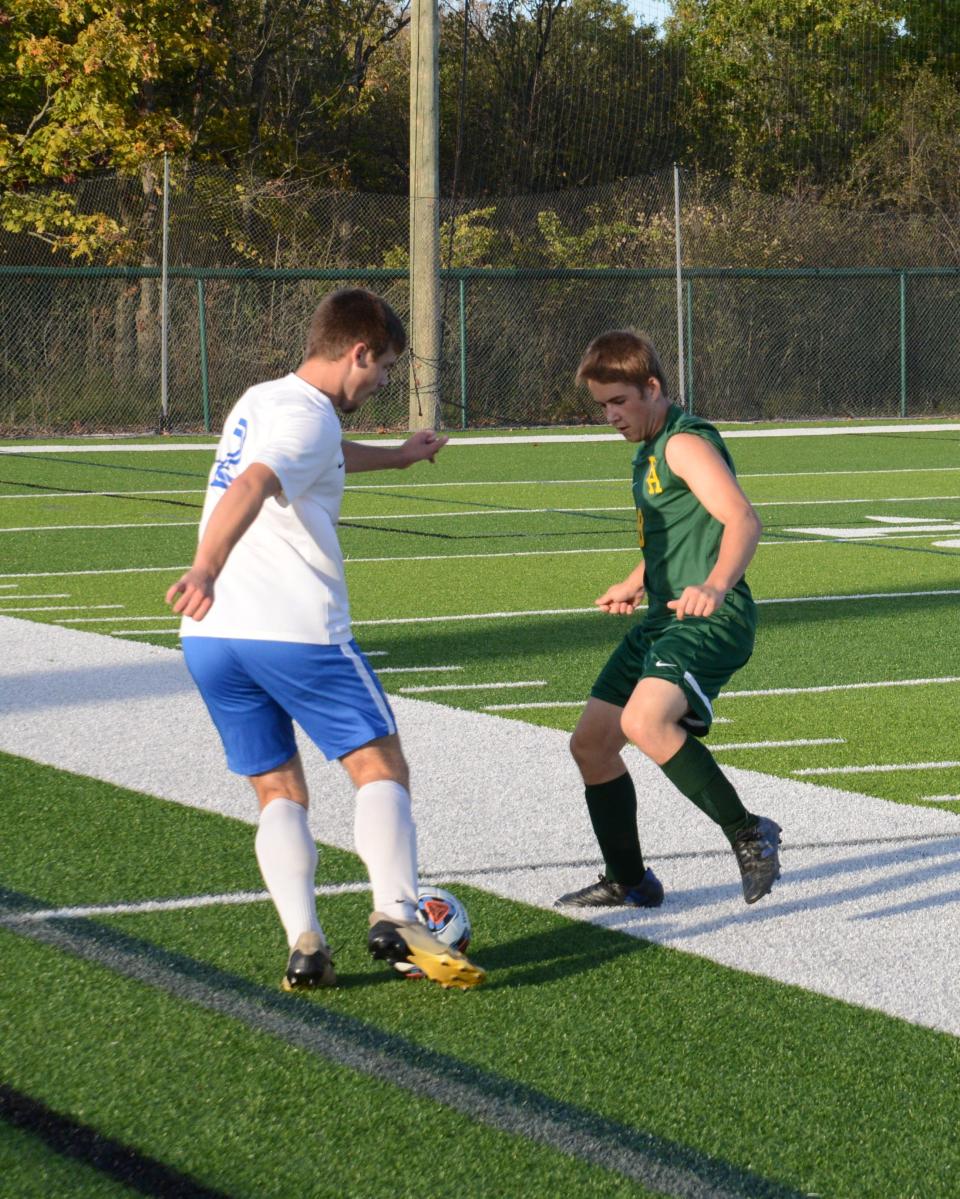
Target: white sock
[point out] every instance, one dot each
(287, 856)
(386, 839)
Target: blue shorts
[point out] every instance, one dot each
(255, 690)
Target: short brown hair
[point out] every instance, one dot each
(351, 315)
(621, 356)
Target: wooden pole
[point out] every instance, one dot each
(424, 329)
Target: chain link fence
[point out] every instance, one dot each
(791, 310)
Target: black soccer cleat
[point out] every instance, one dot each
(409, 946)
(310, 965)
(757, 853)
(605, 893)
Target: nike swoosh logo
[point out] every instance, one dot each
(340, 466)
(672, 665)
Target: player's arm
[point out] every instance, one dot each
(704, 471)
(192, 594)
(622, 598)
(423, 445)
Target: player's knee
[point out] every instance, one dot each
(637, 727)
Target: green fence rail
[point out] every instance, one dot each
(80, 346)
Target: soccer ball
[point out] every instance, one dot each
(445, 916)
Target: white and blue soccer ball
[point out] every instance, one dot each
(445, 916)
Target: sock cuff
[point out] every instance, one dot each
(691, 768)
(620, 787)
(383, 789)
(283, 809)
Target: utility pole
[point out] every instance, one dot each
(424, 214)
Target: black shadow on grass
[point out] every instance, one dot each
(497, 1101)
(572, 948)
(79, 1142)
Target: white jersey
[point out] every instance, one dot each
(283, 580)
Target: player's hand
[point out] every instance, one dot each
(192, 594)
(620, 600)
(698, 601)
(425, 444)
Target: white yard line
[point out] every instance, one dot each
(66, 608)
(471, 616)
(145, 632)
(471, 687)
(137, 524)
(893, 499)
(106, 619)
(415, 669)
(189, 902)
(40, 494)
(885, 769)
(843, 687)
(112, 570)
(503, 441)
(780, 744)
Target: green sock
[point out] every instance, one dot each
(613, 813)
(695, 773)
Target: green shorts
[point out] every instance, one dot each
(699, 654)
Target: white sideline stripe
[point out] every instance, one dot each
(64, 608)
(146, 524)
(780, 744)
(876, 769)
(50, 595)
(414, 669)
(472, 686)
(953, 544)
(842, 687)
(170, 905)
(939, 798)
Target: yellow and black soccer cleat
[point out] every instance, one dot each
(407, 945)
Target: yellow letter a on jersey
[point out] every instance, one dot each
(654, 486)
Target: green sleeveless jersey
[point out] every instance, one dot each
(679, 537)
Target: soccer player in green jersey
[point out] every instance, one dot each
(698, 532)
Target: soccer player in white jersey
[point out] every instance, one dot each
(266, 635)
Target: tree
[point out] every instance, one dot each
(96, 87)
(782, 93)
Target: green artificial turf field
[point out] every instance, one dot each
(149, 1051)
